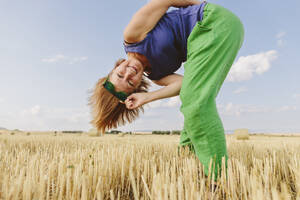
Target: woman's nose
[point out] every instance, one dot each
(129, 72)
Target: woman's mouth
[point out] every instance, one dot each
(135, 69)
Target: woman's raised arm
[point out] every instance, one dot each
(145, 19)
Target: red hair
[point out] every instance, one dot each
(107, 111)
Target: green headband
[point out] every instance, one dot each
(110, 87)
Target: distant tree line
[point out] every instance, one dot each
(72, 132)
(174, 132)
(116, 132)
(113, 132)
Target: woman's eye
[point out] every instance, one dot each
(128, 81)
(130, 84)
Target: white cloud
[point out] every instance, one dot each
(1, 100)
(62, 58)
(76, 60)
(34, 111)
(170, 102)
(247, 66)
(46, 118)
(54, 59)
(77, 117)
(173, 102)
(231, 109)
(287, 108)
(281, 34)
(151, 113)
(280, 38)
(296, 95)
(280, 42)
(240, 90)
(155, 104)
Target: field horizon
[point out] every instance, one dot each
(124, 166)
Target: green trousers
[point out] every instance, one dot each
(212, 47)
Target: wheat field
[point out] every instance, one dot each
(143, 167)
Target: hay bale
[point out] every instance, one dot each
(121, 134)
(94, 132)
(92, 135)
(241, 134)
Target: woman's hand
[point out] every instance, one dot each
(182, 3)
(136, 100)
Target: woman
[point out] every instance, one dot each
(207, 38)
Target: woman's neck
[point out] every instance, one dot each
(142, 59)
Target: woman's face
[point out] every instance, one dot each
(127, 76)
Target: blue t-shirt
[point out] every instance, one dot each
(165, 46)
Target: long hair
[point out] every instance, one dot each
(107, 112)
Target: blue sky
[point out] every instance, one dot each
(53, 52)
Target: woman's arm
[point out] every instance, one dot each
(172, 88)
(145, 19)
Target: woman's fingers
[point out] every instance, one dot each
(129, 103)
(135, 100)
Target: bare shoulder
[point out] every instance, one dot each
(166, 80)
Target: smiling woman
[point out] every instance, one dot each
(206, 38)
(128, 74)
(107, 110)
